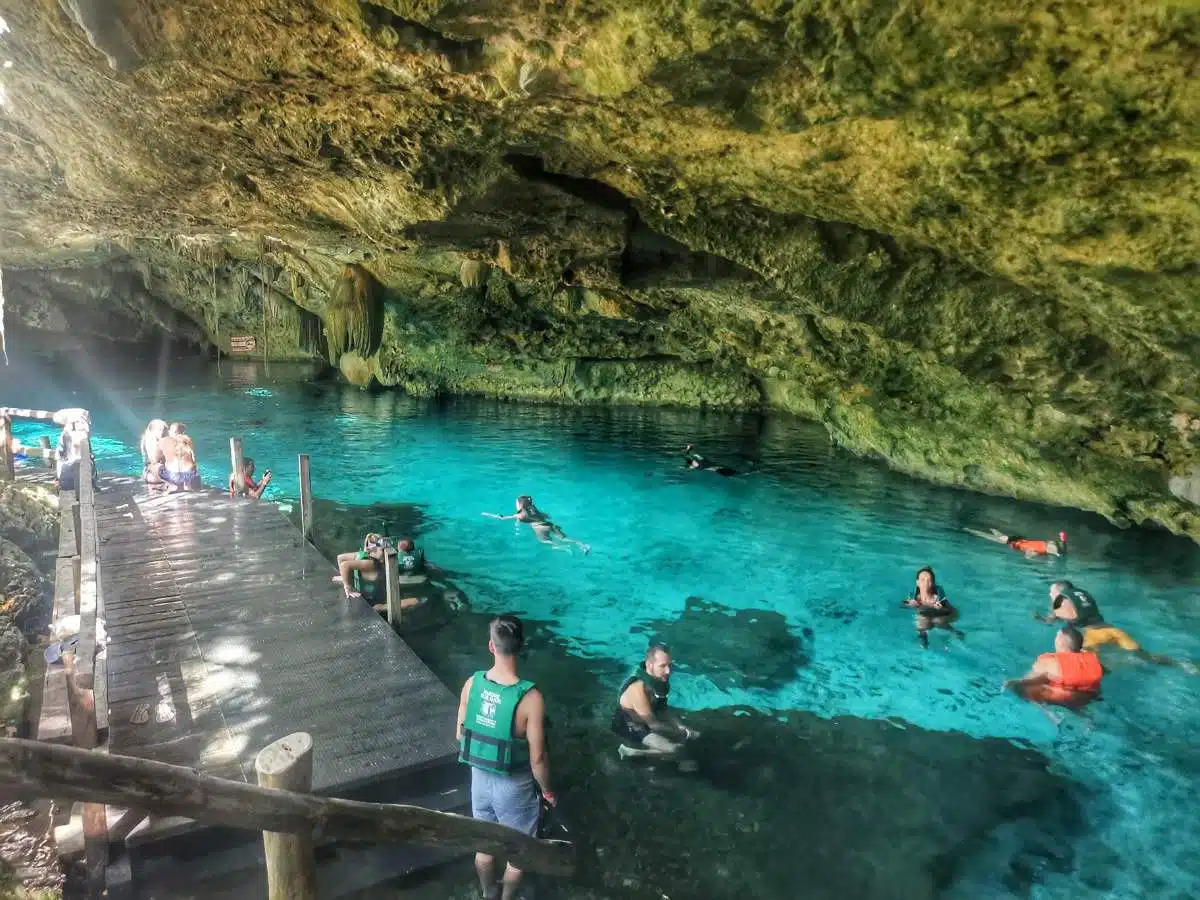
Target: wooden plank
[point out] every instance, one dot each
(66, 523)
(237, 463)
(64, 589)
(306, 499)
(47, 452)
(101, 693)
(17, 412)
(7, 469)
(54, 719)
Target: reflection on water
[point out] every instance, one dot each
(779, 592)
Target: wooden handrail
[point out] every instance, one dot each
(14, 412)
(50, 770)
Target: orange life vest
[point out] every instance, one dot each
(1077, 671)
(1025, 545)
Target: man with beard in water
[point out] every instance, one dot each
(502, 737)
(642, 720)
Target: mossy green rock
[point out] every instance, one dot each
(962, 235)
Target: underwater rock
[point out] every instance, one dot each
(22, 587)
(753, 648)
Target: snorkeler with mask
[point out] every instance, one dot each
(545, 530)
(693, 460)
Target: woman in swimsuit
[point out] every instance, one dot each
(933, 609)
(545, 530)
(359, 572)
(248, 487)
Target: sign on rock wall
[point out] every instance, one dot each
(242, 344)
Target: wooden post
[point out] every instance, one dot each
(306, 510)
(291, 868)
(44, 443)
(238, 462)
(392, 576)
(7, 472)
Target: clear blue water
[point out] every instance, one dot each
(828, 541)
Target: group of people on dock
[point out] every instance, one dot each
(169, 458)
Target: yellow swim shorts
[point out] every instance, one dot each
(1099, 635)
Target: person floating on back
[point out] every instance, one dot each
(545, 530)
(932, 607)
(1029, 546)
(642, 719)
(502, 737)
(246, 486)
(693, 460)
(1078, 608)
(1070, 676)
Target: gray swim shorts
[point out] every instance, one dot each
(511, 800)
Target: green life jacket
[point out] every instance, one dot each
(658, 690)
(1086, 611)
(410, 560)
(488, 741)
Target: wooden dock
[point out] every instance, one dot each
(224, 634)
(224, 629)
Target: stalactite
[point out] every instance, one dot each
(354, 318)
(312, 334)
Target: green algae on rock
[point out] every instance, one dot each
(962, 236)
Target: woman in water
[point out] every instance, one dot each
(248, 487)
(933, 609)
(693, 460)
(177, 454)
(545, 530)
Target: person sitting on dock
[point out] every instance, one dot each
(642, 720)
(360, 572)
(1029, 546)
(176, 455)
(246, 486)
(693, 460)
(1070, 676)
(69, 452)
(1078, 608)
(502, 737)
(17, 449)
(545, 530)
(155, 431)
(933, 609)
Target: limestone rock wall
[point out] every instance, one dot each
(962, 235)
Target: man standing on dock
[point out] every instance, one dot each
(502, 737)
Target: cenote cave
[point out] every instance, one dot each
(906, 277)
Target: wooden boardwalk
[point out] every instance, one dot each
(225, 634)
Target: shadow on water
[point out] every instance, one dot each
(782, 805)
(750, 648)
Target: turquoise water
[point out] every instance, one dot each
(827, 541)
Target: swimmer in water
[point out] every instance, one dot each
(693, 460)
(932, 607)
(1078, 608)
(1029, 546)
(1070, 676)
(545, 530)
